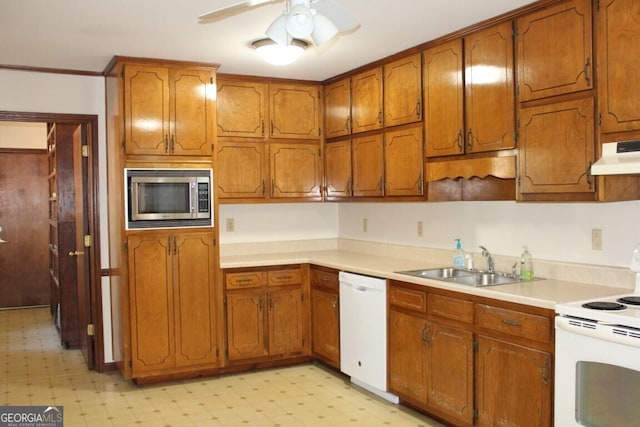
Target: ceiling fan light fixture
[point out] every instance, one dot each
(323, 30)
(300, 22)
(277, 31)
(279, 54)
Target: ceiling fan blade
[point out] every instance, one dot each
(228, 11)
(337, 14)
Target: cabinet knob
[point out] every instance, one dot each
(2, 240)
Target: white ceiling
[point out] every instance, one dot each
(85, 34)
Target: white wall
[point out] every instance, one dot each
(552, 231)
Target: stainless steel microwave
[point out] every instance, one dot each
(161, 198)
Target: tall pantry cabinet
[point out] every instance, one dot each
(164, 291)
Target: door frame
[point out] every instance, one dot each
(90, 124)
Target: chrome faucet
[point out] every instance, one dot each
(487, 255)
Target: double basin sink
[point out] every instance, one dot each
(465, 277)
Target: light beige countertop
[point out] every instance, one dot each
(540, 293)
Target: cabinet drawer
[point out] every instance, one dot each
(525, 325)
(250, 279)
(450, 308)
(408, 298)
(284, 277)
(325, 279)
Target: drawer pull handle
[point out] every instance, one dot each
(284, 277)
(511, 322)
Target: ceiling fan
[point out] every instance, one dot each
(310, 20)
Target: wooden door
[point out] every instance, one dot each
(151, 302)
(518, 375)
(555, 50)
(449, 357)
(194, 299)
(81, 253)
(192, 112)
(337, 108)
(366, 101)
(146, 109)
(241, 109)
(296, 170)
(407, 356)
(243, 169)
(403, 91)
(286, 321)
(294, 111)
(489, 89)
(403, 162)
(368, 163)
(618, 59)
(245, 325)
(24, 280)
(443, 99)
(337, 166)
(325, 326)
(556, 148)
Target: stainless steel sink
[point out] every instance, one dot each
(464, 277)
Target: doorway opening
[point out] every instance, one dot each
(73, 205)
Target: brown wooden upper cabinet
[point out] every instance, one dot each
(296, 170)
(294, 111)
(555, 50)
(403, 162)
(474, 113)
(243, 169)
(337, 173)
(403, 91)
(337, 108)
(168, 111)
(368, 165)
(242, 109)
(366, 101)
(618, 62)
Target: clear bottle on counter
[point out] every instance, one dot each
(526, 264)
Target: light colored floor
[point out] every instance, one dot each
(34, 370)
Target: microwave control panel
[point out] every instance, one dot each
(203, 197)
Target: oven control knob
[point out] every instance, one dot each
(635, 259)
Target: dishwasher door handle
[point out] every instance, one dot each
(359, 288)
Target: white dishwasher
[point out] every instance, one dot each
(363, 332)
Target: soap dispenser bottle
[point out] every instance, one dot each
(458, 255)
(526, 265)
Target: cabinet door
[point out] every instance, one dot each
(618, 61)
(241, 109)
(518, 375)
(403, 91)
(325, 326)
(557, 148)
(245, 325)
(192, 112)
(296, 170)
(295, 111)
(368, 160)
(443, 99)
(337, 108)
(407, 362)
(449, 357)
(337, 166)
(146, 109)
(286, 321)
(403, 162)
(151, 303)
(489, 89)
(195, 299)
(242, 169)
(366, 101)
(555, 50)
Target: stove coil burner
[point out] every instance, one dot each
(631, 300)
(604, 305)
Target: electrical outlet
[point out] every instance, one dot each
(364, 225)
(420, 230)
(231, 225)
(596, 239)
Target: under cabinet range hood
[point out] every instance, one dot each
(618, 158)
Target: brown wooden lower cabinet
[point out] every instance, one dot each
(325, 315)
(470, 360)
(267, 313)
